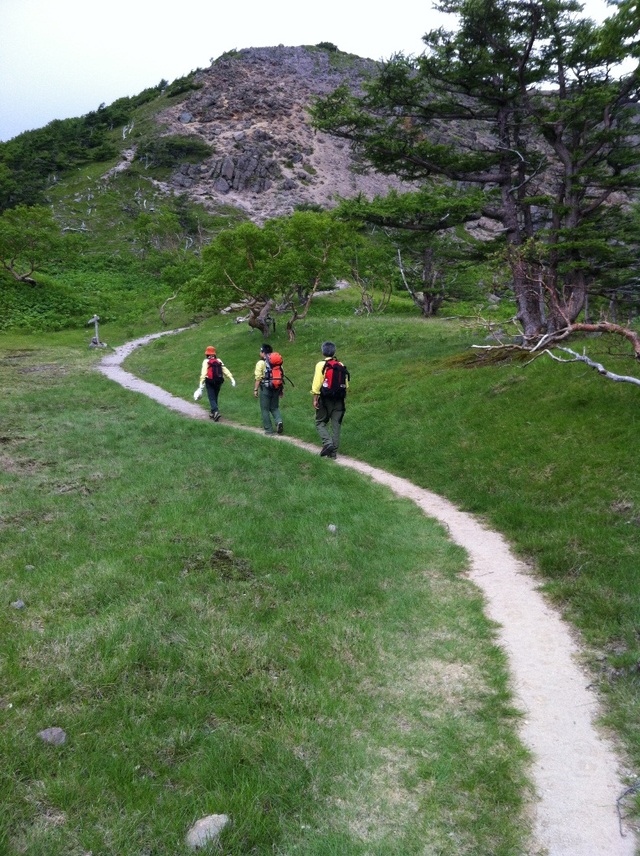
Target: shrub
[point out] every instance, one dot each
(172, 151)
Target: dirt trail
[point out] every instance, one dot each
(575, 769)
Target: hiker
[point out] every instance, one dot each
(212, 375)
(270, 390)
(329, 389)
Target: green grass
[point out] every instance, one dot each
(210, 646)
(546, 453)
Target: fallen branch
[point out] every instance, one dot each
(583, 358)
(164, 306)
(634, 789)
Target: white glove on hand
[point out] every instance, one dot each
(197, 395)
(233, 383)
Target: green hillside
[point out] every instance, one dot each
(119, 235)
(209, 649)
(223, 626)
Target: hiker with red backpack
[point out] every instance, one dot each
(329, 389)
(212, 375)
(269, 387)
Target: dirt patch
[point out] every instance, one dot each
(575, 769)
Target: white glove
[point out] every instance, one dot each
(197, 395)
(233, 383)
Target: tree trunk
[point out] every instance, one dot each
(529, 298)
(297, 314)
(261, 320)
(566, 306)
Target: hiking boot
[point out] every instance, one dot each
(212, 415)
(216, 416)
(327, 449)
(280, 428)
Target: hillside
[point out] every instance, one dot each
(140, 180)
(266, 158)
(235, 137)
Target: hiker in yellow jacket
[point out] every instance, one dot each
(269, 398)
(329, 390)
(212, 375)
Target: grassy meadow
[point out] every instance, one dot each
(211, 646)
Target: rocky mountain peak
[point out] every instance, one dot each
(266, 159)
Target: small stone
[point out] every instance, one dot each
(55, 736)
(29, 567)
(332, 527)
(206, 829)
(18, 604)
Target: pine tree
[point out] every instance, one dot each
(522, 101)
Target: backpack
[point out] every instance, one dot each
(274, 372)
(214, 371)
(335, 380)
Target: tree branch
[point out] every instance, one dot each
(583, 358)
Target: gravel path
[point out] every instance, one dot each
(575, 769)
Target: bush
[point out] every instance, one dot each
(50, 305)
(172, 151)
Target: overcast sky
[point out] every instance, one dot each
(63, 58)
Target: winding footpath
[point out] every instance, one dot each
(574, 766)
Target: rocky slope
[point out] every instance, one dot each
(252, 110)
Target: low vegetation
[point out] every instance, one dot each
(226, 625)
(179, 581)
(222, 627)
(544, 452)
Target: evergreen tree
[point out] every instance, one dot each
(523, 102)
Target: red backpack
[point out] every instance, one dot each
(214, 370)
(334, 384)
(274, 374)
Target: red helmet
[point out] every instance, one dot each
(209, 352)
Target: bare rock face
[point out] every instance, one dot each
(252, 109)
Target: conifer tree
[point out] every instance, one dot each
(522, 101)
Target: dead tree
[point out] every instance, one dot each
(164, 306)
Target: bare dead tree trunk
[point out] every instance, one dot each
(164, 306)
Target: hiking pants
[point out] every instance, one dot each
(329, 416)
(212, 391)
(270, 406)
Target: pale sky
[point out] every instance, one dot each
(63, 58)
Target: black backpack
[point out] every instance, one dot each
(334, 384)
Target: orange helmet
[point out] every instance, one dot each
(209, 352)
